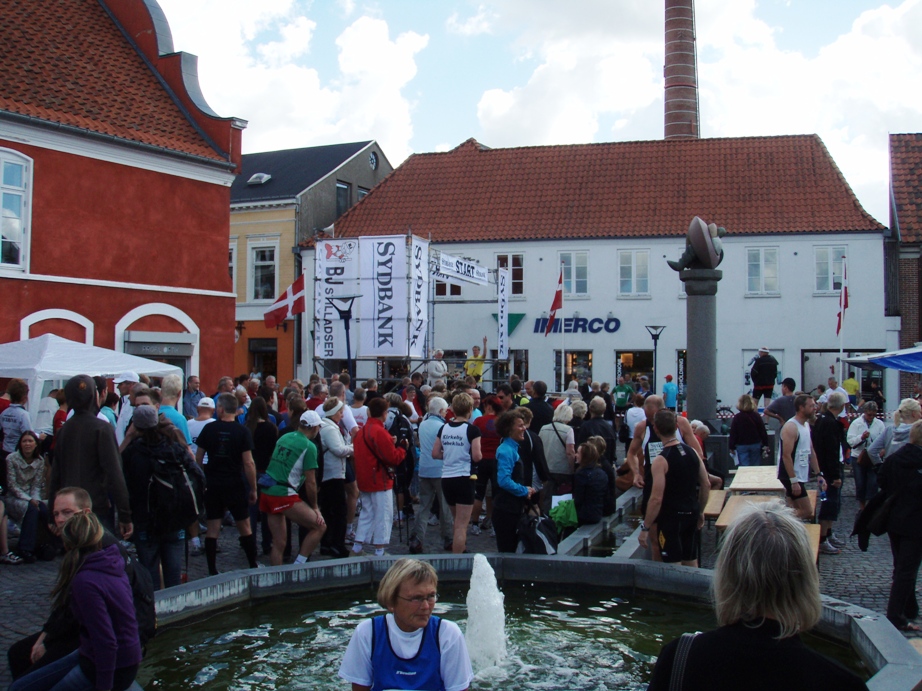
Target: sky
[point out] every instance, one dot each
(426, 75)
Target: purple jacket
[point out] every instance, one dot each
(102, 602)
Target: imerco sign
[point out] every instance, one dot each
(579, 325)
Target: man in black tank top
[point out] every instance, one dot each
(679, 493)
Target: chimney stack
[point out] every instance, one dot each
(681, 71)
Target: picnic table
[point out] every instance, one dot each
(756, 478)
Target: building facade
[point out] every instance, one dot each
(282, 198)
(115, 186)
(609, 216)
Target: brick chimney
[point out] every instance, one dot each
(681, 71)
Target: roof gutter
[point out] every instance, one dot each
(112, 139)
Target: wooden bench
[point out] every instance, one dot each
(735, 506)
(715, 505)
(813, 533)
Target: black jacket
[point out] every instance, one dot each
(828, 442)
(764, 371)
(542, 413)
(901, 473)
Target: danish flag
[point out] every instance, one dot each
(556, 305)
(290, 303)
(843, 297)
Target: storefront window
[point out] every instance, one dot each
(633, 364)
(501, 367)
(579, 367)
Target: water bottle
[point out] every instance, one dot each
(821, 495)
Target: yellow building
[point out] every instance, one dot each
(279, 199)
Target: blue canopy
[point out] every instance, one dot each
(906, 360)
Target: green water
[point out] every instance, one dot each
(600, 642)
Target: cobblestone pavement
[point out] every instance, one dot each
(862, 578)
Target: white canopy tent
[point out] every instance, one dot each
(51, 357)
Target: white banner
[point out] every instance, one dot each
(336, 273)
(419, 296)
(502, 316)
(457, 269)
(384, 306)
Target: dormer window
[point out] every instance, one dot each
(259, 179)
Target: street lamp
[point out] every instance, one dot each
(655, 331)
(345, 313)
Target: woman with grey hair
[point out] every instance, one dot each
(559, 441)
(898, 435)
(862, 433)
(766, 591)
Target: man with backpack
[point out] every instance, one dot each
(166, 490)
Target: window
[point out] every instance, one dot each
(263, 272)
(829, 262)
(515, 264)
(633, 272)
(343, 197)
(362, 193)
(447, 290)
(232, 264)
(575, 272)
(15, 193)
(762, 271)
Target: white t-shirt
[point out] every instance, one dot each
(455, 666)
(457, 438)
(360, 415)
(195, 428)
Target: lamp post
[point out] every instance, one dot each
(655, 331)
(345, 313)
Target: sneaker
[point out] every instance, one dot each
(416, 547)
(492, 532)
(827, 548)
(10, 558)
(475, 529)
(433, 520)
(836, 541)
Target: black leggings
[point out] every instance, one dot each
(506, 525)
(332, 501)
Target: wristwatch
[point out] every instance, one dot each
(644, 528)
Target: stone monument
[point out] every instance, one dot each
(698, 271)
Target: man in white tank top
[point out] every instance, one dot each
(798, 456)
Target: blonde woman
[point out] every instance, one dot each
(898, 435)
(766, 592)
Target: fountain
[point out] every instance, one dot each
(486, 617)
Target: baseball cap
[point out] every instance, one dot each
(668, 377)
(310, 419)
(127, 376)
(206, 402)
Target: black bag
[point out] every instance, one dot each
(880, 515)
(318, 442)
(175, 491)
(537, 534)
(142, 594)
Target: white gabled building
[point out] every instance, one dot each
(611, 215)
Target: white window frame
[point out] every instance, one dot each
(833, 253)
(254, 244)
(449, 287)
(574, 255)
(761, 249)
(634, 292)
(509, 255)
(15, 157)
(232, 260)
(347, 186)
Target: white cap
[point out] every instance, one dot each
(127, 376)
(206, 402)
(310, 419)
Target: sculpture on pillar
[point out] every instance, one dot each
(703, 248)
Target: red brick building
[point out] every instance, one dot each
(904, 244)
(115, 181)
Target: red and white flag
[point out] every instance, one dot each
(843, 297)
(556, 305)
(290, 303)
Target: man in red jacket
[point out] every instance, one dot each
(376, 456)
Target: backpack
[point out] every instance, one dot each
(537, 535)
(142, 594)
(175, 491)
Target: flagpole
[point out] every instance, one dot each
(563, 345)
(843, 292)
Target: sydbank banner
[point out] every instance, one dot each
(391, 316)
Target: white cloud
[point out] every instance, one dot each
(283, 97)
(479, 23)
(346, 7)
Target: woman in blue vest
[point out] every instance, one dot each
(407, 648)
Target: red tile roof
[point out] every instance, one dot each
(65, 61)
(786, 184)
(906, 185)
